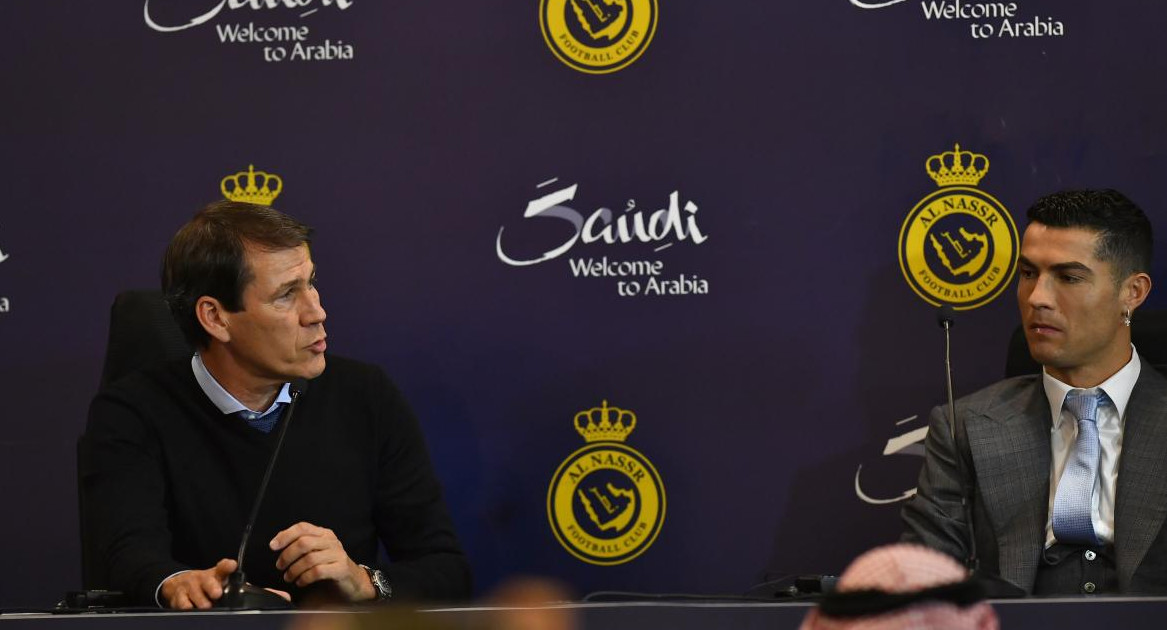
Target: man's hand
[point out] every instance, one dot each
(314, 554)
(196, 589)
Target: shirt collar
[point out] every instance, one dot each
(1117, 388)
(223, 399)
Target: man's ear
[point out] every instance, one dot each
(1135, 290)
(213, 318)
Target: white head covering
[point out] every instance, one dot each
(904, 569)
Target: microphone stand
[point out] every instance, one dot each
(945, 318)
(238, 594)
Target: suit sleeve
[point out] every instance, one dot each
(427, 562)
(935, 517)
(124, 497)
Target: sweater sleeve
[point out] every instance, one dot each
(427, 563)
(123, 490)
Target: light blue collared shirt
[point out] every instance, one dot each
(224, 400)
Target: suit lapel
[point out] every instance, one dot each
(1010, 443)
(1141, 493)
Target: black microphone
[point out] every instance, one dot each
(238, 594)
(946, 317)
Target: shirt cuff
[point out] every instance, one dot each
(158, 590)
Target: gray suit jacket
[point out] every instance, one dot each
(1005, 444)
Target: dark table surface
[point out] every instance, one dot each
(1062, 613)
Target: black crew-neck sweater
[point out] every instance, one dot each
(168, 482)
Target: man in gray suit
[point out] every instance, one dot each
(1065, 472)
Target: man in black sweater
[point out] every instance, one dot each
(176, 454)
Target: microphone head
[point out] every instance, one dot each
(297, 387)
(945, 316)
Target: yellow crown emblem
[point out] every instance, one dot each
(598, 425)
(956, 167)
(242, 186)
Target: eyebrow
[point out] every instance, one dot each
(1066, 266)
(294, 282)
(285, 286)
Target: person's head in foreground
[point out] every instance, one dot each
(903, 586)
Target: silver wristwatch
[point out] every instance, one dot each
(380, 583)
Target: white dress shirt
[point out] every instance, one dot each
(1063, 433)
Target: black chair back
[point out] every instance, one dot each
(141, 333)
(1148, 333)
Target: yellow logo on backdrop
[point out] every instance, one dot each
(959, 245)
(252, 186)
(606, 502)
(597, 36)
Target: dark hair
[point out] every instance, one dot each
(207, 257)
(1124, 232)
(872, 602)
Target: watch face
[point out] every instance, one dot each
(381, 584)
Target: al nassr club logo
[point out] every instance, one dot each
(958, 245)
(606, 502)
(597, 36)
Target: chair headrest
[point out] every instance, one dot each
(141, 333)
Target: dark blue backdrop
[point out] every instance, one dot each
(799, 130)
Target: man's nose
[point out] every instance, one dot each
(1041, 293)
(315, 313)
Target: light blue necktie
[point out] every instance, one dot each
(1071, 519)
